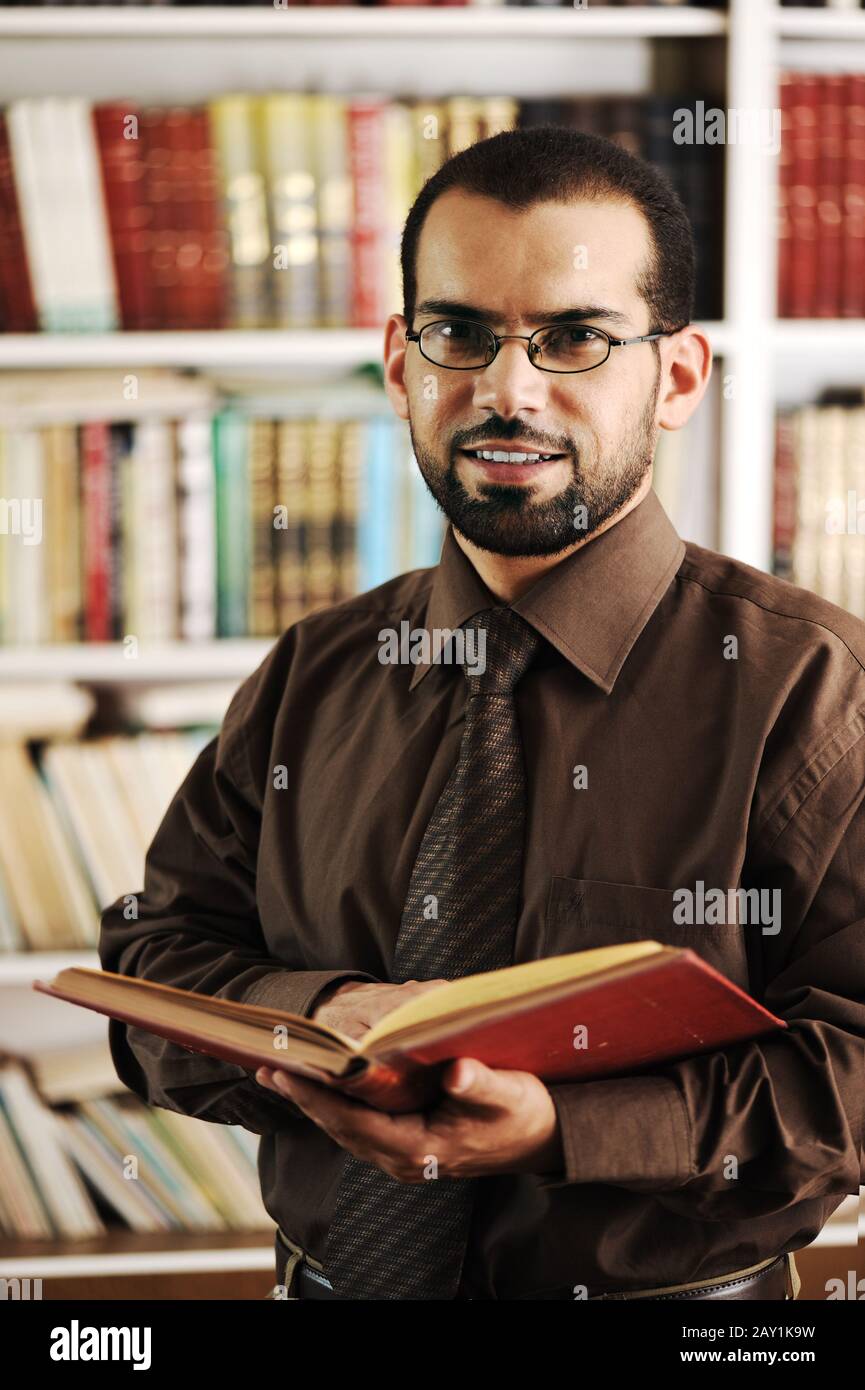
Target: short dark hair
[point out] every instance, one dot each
(549, 163)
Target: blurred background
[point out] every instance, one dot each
(200, 215)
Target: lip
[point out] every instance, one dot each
(512, 473)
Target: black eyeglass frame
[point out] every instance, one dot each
(498, 338)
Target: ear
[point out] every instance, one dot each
(394, 364)
(686, 366)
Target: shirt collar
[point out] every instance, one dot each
(591, 607)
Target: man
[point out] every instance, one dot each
(650, 721)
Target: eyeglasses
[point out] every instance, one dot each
(465, 346)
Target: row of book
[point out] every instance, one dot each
(76, 819)
(275, 210)
(821, 196)
(819, 525)
(81, 1157)
(176, 516)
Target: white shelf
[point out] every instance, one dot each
(483, 23)
(23, 967)
(321, 348)
(819, 24)
(825, 336)
(337, 348)
(139, 1262)
(103, 663)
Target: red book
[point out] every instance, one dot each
(636, 1005)
(17, 308)
(130, 217)
(830, 176)
(803, 197)
(786, 96)
(189, 247)
(96, 509)
(853, 240)
(367, 155)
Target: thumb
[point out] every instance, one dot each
(471, 1080)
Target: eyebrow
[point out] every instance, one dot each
(489, 316)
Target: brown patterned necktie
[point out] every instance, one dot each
(407, 1241)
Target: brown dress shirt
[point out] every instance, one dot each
(719, 715)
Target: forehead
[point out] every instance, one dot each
(552, 255)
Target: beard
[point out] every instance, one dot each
(506, 521)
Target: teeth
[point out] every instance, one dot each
(504, 456)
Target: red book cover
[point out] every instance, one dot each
(204, 280)
(17, 308)
(130, 217)
(366, 139)
(637, 1014)
(96, 507)
(189, 250)
(803, 198)
(830, 135)
(786, 97)
(853, 239)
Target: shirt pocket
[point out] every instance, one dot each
(583, 913)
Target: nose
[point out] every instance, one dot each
(510, 383)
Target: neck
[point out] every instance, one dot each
(510, 576)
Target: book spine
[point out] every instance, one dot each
(853, 246)
(366, 125)
(321, 513)
(803, 198)
(786, 97)
(96, 510)
(290, 534)
(262, 497)
(232, 523)
(234, 128)
(122, 162)
(784, 497)
(196, 504)
(831, 119)
(291, 182)
(17, 308)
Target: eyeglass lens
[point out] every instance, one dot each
(560, 348)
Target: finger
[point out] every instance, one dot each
(341, 1115)
(470, 1080)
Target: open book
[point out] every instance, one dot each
(604, 1012)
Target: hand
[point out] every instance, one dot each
(488, 1122)
(355, 1005)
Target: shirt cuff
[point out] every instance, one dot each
(296, 991)
(631, 1132)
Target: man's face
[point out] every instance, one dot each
(518, 267)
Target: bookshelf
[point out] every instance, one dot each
(162, 53)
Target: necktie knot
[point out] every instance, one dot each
(505, 646)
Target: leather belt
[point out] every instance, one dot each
(772, 1279)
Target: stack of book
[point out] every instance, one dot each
(821, 196)
(819, 539)
(278, 210)
(80, 1157)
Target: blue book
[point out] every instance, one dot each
(377, 539)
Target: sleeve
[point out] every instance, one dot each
(195, 926)
(761, 1125)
